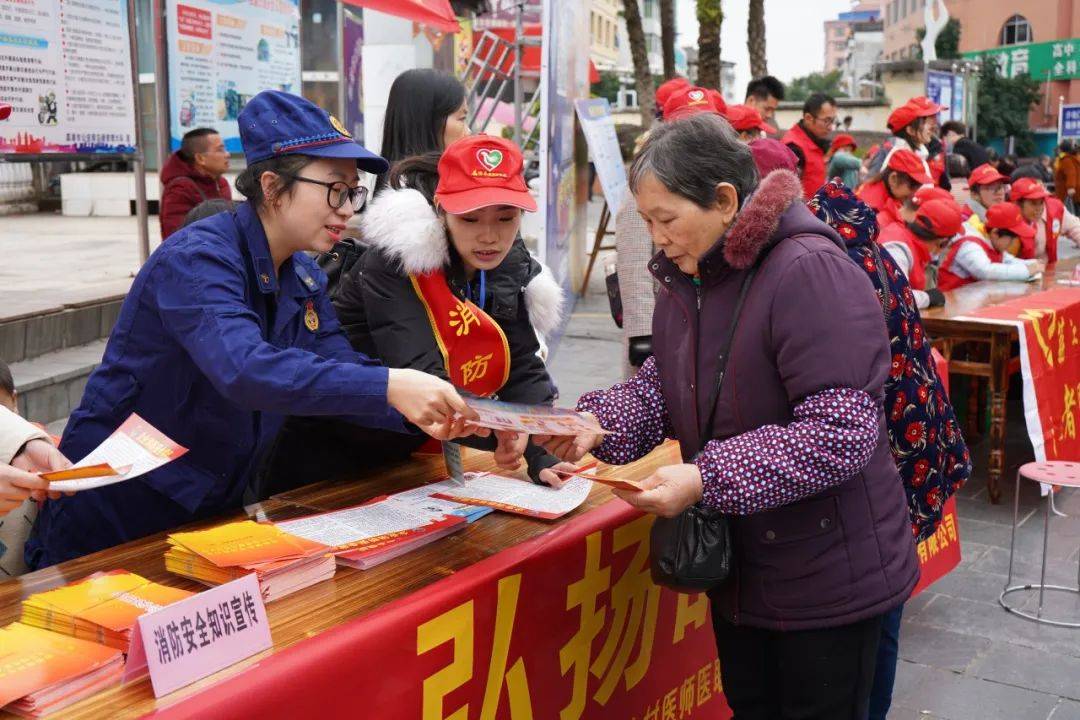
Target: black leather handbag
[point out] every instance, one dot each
(691, 552)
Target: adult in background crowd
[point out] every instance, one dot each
(1067, 174)
(954, 135)
(764, 95)
(811, 136)
(425, 112)
(821, 538)
(748, 122)
(192, 175)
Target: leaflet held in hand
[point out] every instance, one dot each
(531, 419)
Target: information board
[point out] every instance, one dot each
(223, 53)
(599, 129)
(65, 68)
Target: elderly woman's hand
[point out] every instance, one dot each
(668, 491)
(569, 448)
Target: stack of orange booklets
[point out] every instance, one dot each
(42, 672)
(283, 563)
(102, 608)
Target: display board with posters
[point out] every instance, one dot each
(947, 90)
(1069, 122)
(599, 128)
(564, 74)
(221, 54)
(65, 68)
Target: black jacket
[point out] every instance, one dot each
(382, 315)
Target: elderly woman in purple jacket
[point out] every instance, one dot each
(798, 457)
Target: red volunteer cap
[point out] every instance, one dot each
(479, 171)
(5, 111)
(910, 164)
(663, 93)
(985, 174)
(940, 217)
(931, 192)
(1028, 189)
(843, 140)
(718, 101)
(744, 117)
(1007, 216)
(911, 111)
(687, 101)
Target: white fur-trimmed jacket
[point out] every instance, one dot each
(383, 317)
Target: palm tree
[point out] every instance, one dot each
(710, 17)
(755, 39)
(667, 36)
(639, 53)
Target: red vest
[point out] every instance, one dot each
(920, 254)
(877, 197)
(947, 279)
(813, 176)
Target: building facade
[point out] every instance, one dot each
(604, 23)
(865, 46)
(839, 31)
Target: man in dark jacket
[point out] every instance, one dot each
(192, 174)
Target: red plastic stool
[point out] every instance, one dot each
(1051, 472)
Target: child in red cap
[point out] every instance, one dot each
(690, 100)
(914, 244)
(974, 258)
(748, 122)
(1049, 217)
(448, 287)
(842, 161)
(987, 188)
(904, 173)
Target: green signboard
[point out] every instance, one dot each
(1056, 60)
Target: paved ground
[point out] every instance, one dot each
(963, 657)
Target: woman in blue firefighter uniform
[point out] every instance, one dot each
(227, 329)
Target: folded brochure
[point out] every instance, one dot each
(531, 419)
(134, 449)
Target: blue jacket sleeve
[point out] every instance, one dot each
(200, 299)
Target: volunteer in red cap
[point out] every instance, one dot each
(748, 122)
(904, 173)
(988, 188)
(913, 245)
(973, 258)
(811, 138)
(1049, 216)
(912, 125)
(664, 92)
(923, 195)
(718, 101)
(842, 161)
(448, 287)
(687, 101)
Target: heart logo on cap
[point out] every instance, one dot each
(489, 158)
(696, 95)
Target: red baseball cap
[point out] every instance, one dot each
(940, 217)
(479, 171)
(744, 117)
(689, 100)
(1007, 216)
(985, 174)
(718, 101)
(911, 111)
(931, 192)
(5, 111)
(666, 88)
(910, 164)
(1028, 189)
(843, 140)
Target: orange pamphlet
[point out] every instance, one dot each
(42, 672)
(80, 473)
(102, 608)
(613, 482)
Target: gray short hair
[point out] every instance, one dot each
(691, 156)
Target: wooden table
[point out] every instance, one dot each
(999, 362)
(322, 607)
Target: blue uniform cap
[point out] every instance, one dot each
(275, 123)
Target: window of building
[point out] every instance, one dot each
(1016, 30)
(650, 8)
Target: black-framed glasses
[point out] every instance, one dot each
(338, 193)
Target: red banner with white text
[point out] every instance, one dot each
(568, 625)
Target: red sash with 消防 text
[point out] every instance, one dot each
(473, 346)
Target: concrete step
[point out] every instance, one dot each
(50, 386)
(46, 330)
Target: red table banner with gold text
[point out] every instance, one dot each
(939, 554)
(565, 626)
(1049, 324)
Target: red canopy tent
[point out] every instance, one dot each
(435, 14)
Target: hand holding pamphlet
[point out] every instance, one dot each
(531, 419)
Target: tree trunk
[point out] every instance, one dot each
(639, 53)
(667, 36)
(755, 39)
(709, 16)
